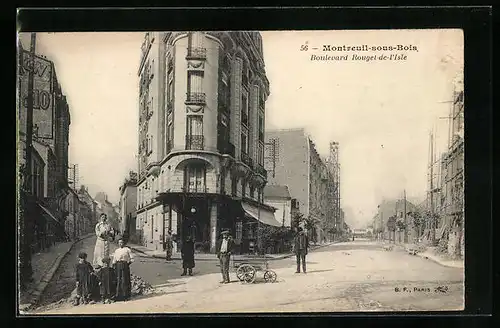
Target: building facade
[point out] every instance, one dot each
(452, 189)
(51, 120)
(128, 203)
(201, 136)
(279, 198)
(293, 161)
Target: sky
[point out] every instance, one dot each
(381, 112)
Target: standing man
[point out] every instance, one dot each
(224, 249)
(301, 244)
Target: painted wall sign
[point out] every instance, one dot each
(43, 95)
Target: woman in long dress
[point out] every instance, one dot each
(104, 233)
(122, 258)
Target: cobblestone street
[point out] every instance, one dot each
(357, 276)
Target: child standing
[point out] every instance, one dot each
(83, 279)
(107, 280)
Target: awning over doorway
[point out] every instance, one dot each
(49, 214)
(263, 215)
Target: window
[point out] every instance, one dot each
(244, 108)
(260, 155)
(252, 191)
(261, 127)
(244, 140)
(195, 125)
(234, 186)
(239, 230)
(195, 178)
(195, 82)
(243, 188)
(244, 73)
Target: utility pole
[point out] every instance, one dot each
(27, 217)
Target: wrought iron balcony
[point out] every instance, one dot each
(195, 189)
(261, 170)
(194, 142)
(197, 98)
(246, 159)
(226, 148)
(196, 53)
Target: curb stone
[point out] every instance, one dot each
(425, 256)
(281, 257)
(39, 289)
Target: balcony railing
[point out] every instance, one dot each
(261, 170)
(195, 98)
(196, 53)
(246, 159)
(194, 142)
(226, 148)
(195, 189)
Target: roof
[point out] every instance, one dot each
(276, 191)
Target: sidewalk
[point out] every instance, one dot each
(45, 265)
(427, 253)
(430, 255)
(211, 257)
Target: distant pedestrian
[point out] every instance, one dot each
(83, 274)
(105, 234)
(224, 249)
(301, 245)
(187, 253)
(107, 281)
(169, 245)
(122, 258)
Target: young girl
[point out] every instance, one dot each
(107, 281)
(83, 272)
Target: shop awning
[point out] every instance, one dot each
(48, 213)
(263, 215)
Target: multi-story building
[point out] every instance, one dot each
(108, 208)
(127, 205)
(279, 198)
(201, 136)
(51, 120)
(397, 209)
(453, 177)
(90, 206)
(292, 161)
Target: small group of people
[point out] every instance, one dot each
(224, 249)
(107, 279)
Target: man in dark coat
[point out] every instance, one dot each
(301, 244)
(187, 254)
(224, 249)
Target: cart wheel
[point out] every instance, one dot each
(270, 276)
(246, 273)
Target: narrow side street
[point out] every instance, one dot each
(342, 277)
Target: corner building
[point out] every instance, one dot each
(201, 137)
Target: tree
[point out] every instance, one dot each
(391, 225)
(417, 220)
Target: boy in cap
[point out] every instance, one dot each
(83, 275)
(224, 249)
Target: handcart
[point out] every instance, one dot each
(246, 269)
